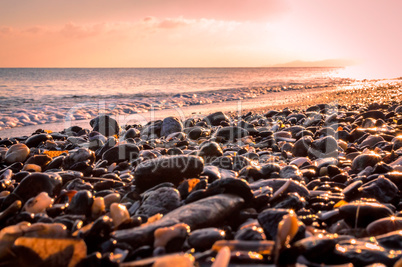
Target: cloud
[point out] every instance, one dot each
(71, 30)
(50, 12)
(173, 23)
(34, 30)
(148, 41)
(238, 10)
(6, 30)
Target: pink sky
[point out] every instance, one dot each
(209, 33)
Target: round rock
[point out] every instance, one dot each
(36, 139)
(232, 132)
(362, 161)
(171, 125)
(161, 200)
(121, 153)
(171, 169)
(203, 239)
(105, 125)
(16, 153)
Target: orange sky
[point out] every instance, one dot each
(208, 33)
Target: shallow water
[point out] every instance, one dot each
(37, 96)
(39, 83)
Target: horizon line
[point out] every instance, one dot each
(255, 67)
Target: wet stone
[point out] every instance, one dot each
(32, 185)
(132, 133)
(36, 139)
(161, 200)
(200, 214)
(362, 161)
(360, 214)
(382, 189)
(167, 169)
(237, 188)
(233, 186)
(216, 118)
(81, 203)
(209, 151)
(121, 153)
(212, 172)
(384, 226)
(250, 233)
(232, 132)
(171, 125)
(291, 172)
(323, 147)
(105, 125)
(203, 239)
(275, 184)
(269, 220)
(301, 146)
(290, 201)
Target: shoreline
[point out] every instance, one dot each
(356, 93)
(331, 172)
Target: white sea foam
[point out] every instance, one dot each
(51, 95)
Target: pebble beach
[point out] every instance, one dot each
(286, 176)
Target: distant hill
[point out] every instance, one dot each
(321, 63)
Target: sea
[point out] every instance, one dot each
(31, 96)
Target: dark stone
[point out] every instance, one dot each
(32, 185)
(360, 214)
(291, 172)
(41, 160)
(132, 133)
(224, 162)
(375, 114)
(167, 169)
(250, 233)
(396, 178)
(206, 212)
(105, 125)
(195, 133)
(210, 151)
(323, 147)
(289, 201)
(80, 155)
(161, 200)
(275, 184)
(171, 125)
(233, 186)
(239, 162)
(381, 189)
(232, 132)
(301, 146)
(203, 239)
(269, 220)
(121, 153)
(81, 203)
(212, 172)
(36, 139)
(371, 140)
(360, 162)
(216, 118)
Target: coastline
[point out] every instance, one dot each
(278, 164)
(357, 93)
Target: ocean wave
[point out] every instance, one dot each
(28, 111)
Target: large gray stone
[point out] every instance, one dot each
(207, 212)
